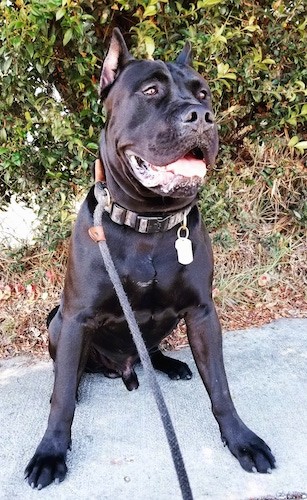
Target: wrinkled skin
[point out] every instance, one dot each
(160, 113)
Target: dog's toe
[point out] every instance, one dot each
(181, 371)
(44, 469)
(253, 454)
(174, 368)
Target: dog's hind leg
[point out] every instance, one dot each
(174, 368)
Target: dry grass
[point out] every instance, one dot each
(260, 257)
(30, 286)
(250, 289)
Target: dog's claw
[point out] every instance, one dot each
(184, 374)
(43, 469)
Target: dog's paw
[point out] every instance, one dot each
(253, 453)
(174, 368)
(178, 370)
(43, 469)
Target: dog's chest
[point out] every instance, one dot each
(157, 286)
(142, 276)
(149, 272)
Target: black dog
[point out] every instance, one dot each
(159, 136)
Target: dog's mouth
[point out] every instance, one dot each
(186, 172)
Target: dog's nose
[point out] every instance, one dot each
(196, 115)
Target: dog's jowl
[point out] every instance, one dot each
(159, 139)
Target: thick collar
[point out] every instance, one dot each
(145, 223)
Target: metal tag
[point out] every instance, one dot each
(184, 250)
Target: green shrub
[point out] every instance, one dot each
(252, 53)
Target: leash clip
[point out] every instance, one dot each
(103, 198)
(97, 233)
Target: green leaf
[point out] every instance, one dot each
(300, 84)
(63, 198)
(16, 159)
(6, 65)
(292, 120)
(252, 28)
(230, 76)
(39, 67)
(207, 3)
(16, 41)
(67, 36)
(35, 11)
(293, 141)
(302, 26)
(92, 145)
(150, 45)
(223, 71)
(10, 99)
(227, 84)
(151, 10)
(60, 13)
(304, 110)
(3, 135)
(268, 61)
(30, 49)
(301, 146)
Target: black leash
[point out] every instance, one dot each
(97, 235)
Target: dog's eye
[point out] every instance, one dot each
(152, 90)
(202, 94)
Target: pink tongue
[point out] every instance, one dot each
(188, 166)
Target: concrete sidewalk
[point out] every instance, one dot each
(119, 448)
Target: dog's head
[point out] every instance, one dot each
(160, 126)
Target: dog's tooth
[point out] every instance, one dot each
(133, 161)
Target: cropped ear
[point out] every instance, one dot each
(117, 56)
(185, 56)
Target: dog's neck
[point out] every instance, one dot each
(138, 222)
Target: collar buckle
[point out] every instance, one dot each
(150, 224)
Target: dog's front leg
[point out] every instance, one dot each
(205, 339)
(48, 463)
